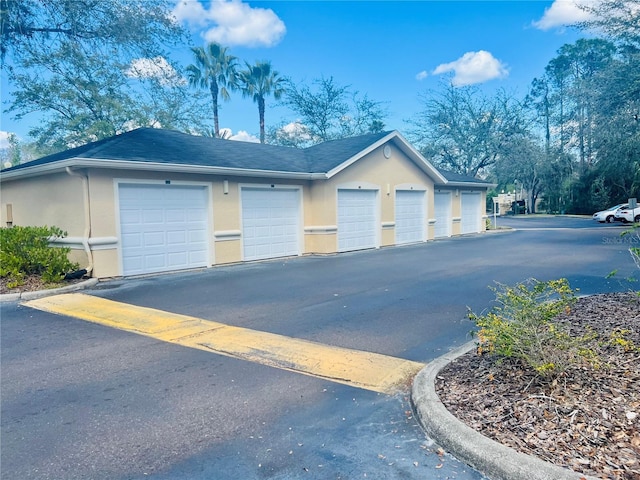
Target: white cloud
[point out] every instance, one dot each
(234, 22)
(4, 139)
(295, 128)
(243, 136)
(190, 12)
(157, 68)
(422, 75)
(473, 67)
(562, 13)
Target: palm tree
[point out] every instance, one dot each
(259, 81)
(214, 69)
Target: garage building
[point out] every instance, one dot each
(153, 200)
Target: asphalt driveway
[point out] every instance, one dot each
(85, 401)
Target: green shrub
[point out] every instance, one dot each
(634, 239)
(25, 251)
(524, 326)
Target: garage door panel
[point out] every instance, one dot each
(176, 237)
(357, 219)
(471, 212)
(155, 261)
(152, 239)
(163, 227)
(176, 216)
(198, 236)
(270, 222)
(152, 216)
(442, 209)
(409, 216)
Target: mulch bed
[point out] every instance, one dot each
(34, 283)
(587, 420)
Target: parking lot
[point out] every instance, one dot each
(81, 400)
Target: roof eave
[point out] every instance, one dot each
(334, 171)
(468, 184)
(425, 164)
(403, 145)
(157, 167)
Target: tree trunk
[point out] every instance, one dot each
(261, 115)
(214, 99)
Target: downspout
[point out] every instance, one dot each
(87, 218)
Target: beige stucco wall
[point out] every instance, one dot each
(57, 199)
(32, 205)
(54, 200)
(373, 171)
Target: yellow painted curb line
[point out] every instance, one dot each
(370, 371)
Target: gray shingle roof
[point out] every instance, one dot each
(180, 150)
(459, 178)
(170, 147)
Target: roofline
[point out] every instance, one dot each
(80, 162)
(84, 162)
(469, 184)
(432, 170)
(359, 155)
(405, 146)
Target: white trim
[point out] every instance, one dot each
(388, 225)
(401, 143)
(415, 187)
(358, 186)
(227, 235)
(77, 243)
(360, 154)
(79, 162)
(485, 186)
(431, 221)
(320, 229)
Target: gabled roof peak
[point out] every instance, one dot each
(170, 150)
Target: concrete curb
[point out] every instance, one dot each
(489, 457)
(14, 297)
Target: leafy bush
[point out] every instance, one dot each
(25, 251)
(524, 326)
(634, 239)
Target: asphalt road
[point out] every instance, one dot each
(82, 401)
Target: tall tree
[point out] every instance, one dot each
(327, 112)
(522, 161)
(616, 19)
(214, 70)
(258, 82)
(617, 139)
(539, 100)
(138, 28)
(463, 131)
(89, 69)
(586, 59)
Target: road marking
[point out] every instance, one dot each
(370, 371)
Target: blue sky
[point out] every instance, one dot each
(392, 51)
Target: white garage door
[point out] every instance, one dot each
(442, 207)
(471, 212)
(357, 219)
(270, 222)
(410, 217)
(163, 228)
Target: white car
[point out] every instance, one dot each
(610, 214)
(628, 215)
